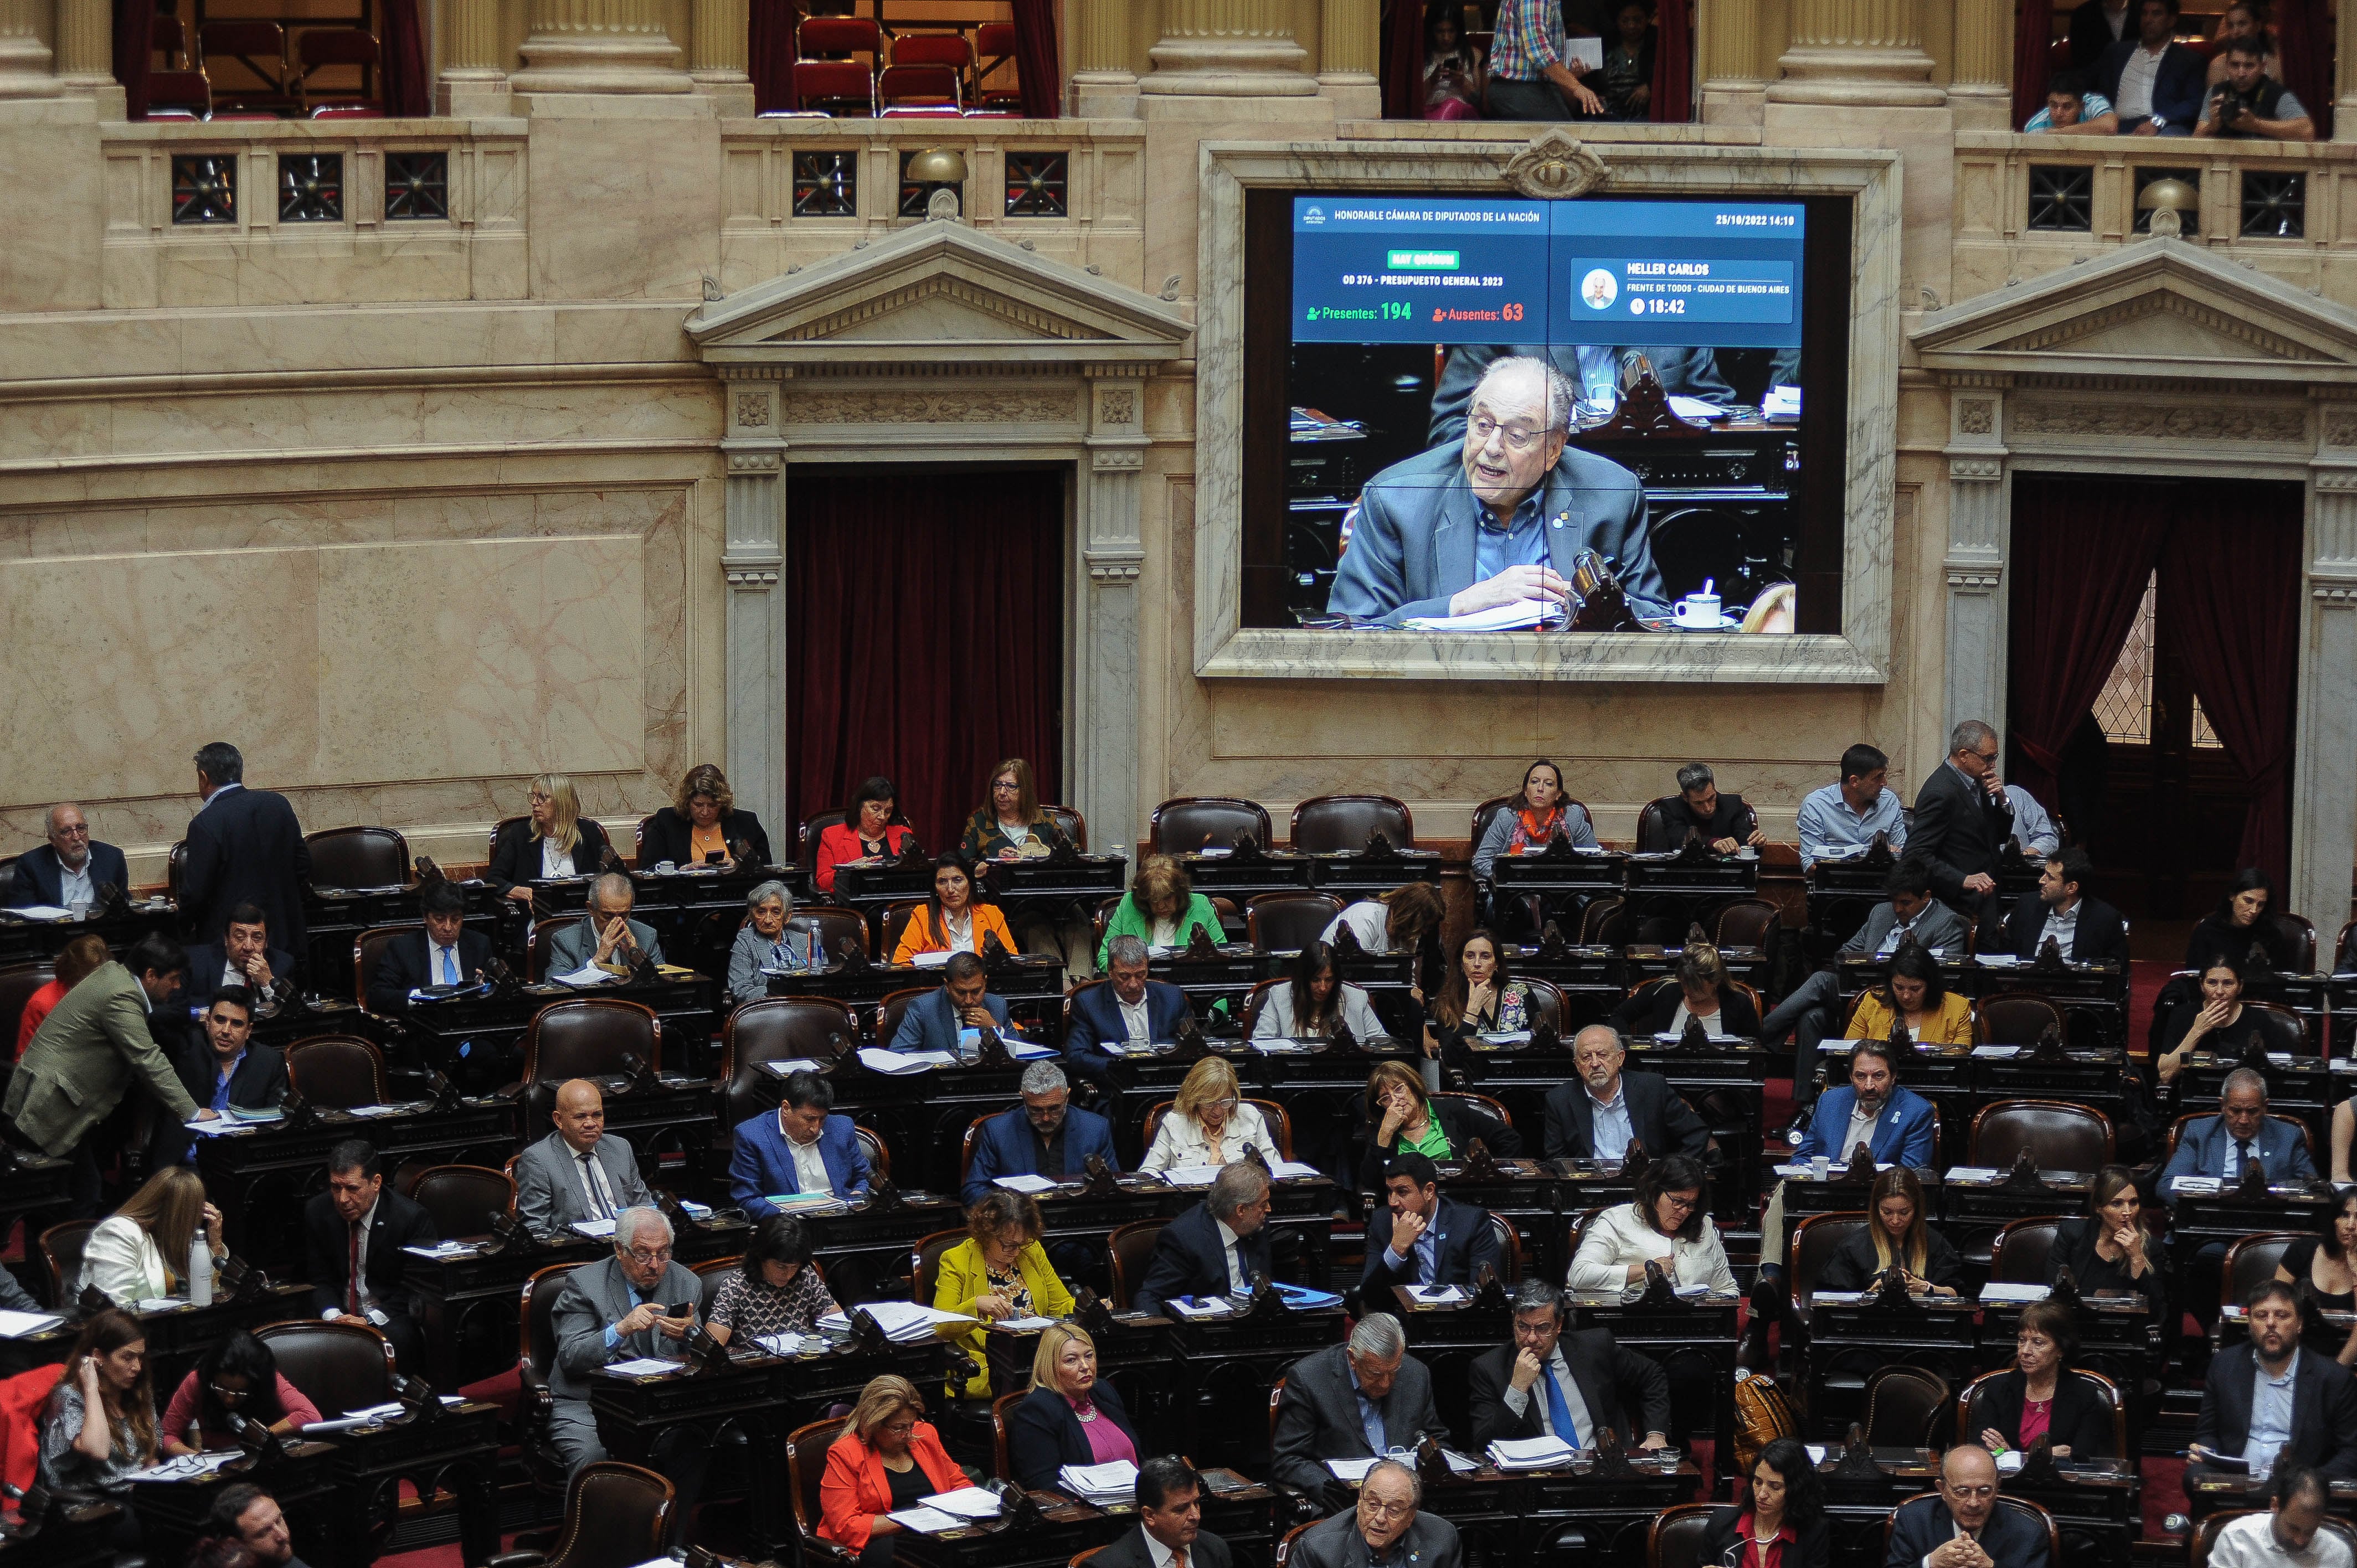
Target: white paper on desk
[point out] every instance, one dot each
(2279, 1058)
(368, 1111)
(781, 1344)
(895, 1317)
(1507, 1037)
(1998, 1053)
(1671, 1038)
(1999, 1291)
(41, 912)
(1437, 1295)
(1974, 1173)
(1279, 1046)
(16, 1324)
(1527, 1453)
(929, 960)
(1200, 1305)
(1210, 854)
(1024, 1325)
(2009, 1462)
(1836, 1298)
(1817, 1452)
(587, 974)
(217, 1127)
(1352, 1470)
(2202, 1185)
(595, 1229)
(1192, 1176)
(1691, 409)
(1782, 403)
(925, 1520)
(1285, 1170)
(1519, 615)
(354, 1417)
(646, 1366)
(791, 1063)
(1806, 1173)
(2344, 1064)
(444, 1249)
(1026, 1182)
(806, 1202)
(904, 1062)
(1998, 961)
(160, 1304)
(966, 1502)
(186, 1467)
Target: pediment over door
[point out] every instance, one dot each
(2159, 309)
(940, 294)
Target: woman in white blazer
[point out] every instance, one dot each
(140, 1253)
(1209, 1123)
(1667, 1222)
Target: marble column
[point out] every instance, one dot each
(1728, 59)
(1110, 503)
(718, 46)
(1104, 84)
(474, 80)
(2344, 94)
(85, 55)
(753, 561)
(25, 61)
(2324, 755)
(1979, 526)
(1228, 49)
(1862, 52)
(1980, 77)
(1349, 50)
(600, 46)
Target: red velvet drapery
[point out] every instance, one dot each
(2230, 597)
(1403, 60)
(1036, 62)
(408, 85)
(2033, 43)
(770, 55)
(925, 637)
(2082, 551)
(2306, 63)
(134, 46)
(1672, 94)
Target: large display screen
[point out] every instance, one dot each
(1502, 414)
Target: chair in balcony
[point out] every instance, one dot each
(321, 48)
(256, 48)
(178, 95)
(927, 76)
(995, 43)
(845, 88)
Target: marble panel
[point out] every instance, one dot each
(624, 208)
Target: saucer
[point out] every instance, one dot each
(1725, 623)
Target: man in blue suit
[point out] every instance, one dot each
(69, 869)
(797, 1148)
(1875, 1108)
(963, 1002)
(2219, 1146)
(1216, 1247)
(1130, 1008)
(1420, 1238)
(1961, 1524)
(1044, 1136)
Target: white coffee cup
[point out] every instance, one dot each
(1697, 610)
(1820, 1166)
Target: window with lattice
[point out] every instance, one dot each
(2124, 707)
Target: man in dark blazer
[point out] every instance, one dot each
(1596, 1384)
(245, 958)
(222, 1067)
(1501, 517)
(1126, 1006)
(1962, 821)
(1723, 821)
(1966, 1505)
(1633, 1106)
(1046, 1135)
(2087, 929)
(1170, 1509)
(442, 952)
(71, 857)
(2217, 1145)
(963, 1002)
(1216, 1247)
(1420, 1238)
(244, 846)
(1385, 1524)
(605, 935)
(2180, 78)
(1354, 1400)
(2244, 1414)
(772, 1151)
(359, 1214)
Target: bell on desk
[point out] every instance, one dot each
(1878, 855)
(1200, 945)
(2049, 958)
(1658, 1290)
(2253, 1184)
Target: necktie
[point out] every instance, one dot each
(1177, 1557)
(352, 1273)
(449, 966)
(594, 1179)
(2241, 1155)
(1558, 1408)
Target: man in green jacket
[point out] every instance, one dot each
(86, 1054)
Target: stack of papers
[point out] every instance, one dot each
(1100, 1483)
(2200, 1184)
(595, 1229)
(444, 1249)
(1671, 1038)
(186, 1467)
(1285, 1170)
(40, 912)
(366, 1112)
(1279, 1046)
(587, 974)
(1026, 1182)
(1529, 1453)
(1437, 1295)
(646, 1366)
(1192, 1176)
(1692, 408)
(806, 1202)
(1974, 1173)
(1997, 1053)
(2001, 1292)
(923, 1520)
(1997, 961)
(782, 1344)
(1351, 1470)
(900, 1320)
(945, 1511)
(905, 1061)
(16, 1324)
(1782, 403)
(793, 1065)
(371, 1415)
(1518, 616)
(929, 960)
(1023, 1324)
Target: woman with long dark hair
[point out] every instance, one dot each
(952, 920)
(776, 1288)
(99, 1425)
(2110, 1247)
(2240, 921)
(239, 1377)
(1913, 992)
(1313, 1001)
(2323, 1267)
(1781, 1519)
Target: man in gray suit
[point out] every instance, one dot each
(607, 936)
(578, 1172)
(1384, 1529)
(1350, 1401)
(1501, 517)
(1594, 369)
(1908, 909)
(615, 1310)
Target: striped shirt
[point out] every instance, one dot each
(1529, 39)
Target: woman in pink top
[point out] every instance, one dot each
(238, 1377)
(1068, 1417)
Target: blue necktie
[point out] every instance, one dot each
(449, 966)
(1558, 1410)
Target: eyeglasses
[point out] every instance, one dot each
(1972, 1494)
(1519, 437)
(1683, 1204)
(1008, 785)
(1381, 1509)
(645, 1255)
(74, 830)
(222, 1394)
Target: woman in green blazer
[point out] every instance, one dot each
(1160, 909)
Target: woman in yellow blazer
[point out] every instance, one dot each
(999, 1270)
(951, 922)
(1932, 1013)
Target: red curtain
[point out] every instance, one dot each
(925, 637)
(408, 88)
(2229, 596)
(1673, 92)
(134, 48)
(770, 55)
(2306, 63)
(2033, 43)
(1042, 81)
(2082, 552)
(1403, 61)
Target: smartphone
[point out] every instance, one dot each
(715, 856)
(682, 1310)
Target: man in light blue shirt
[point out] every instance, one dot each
(1840, 821)
(2038, 835)
(1522, 543)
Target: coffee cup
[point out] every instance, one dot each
(1697, 610)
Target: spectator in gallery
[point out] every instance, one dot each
(2155, 84)
(1452, 68)
(2251, 105)
(2073, 108)
(2241, 20)
(1626, 81)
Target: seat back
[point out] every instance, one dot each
(1653, 826)
(18, 983)
(2019, 1253)
(2286, 1028)
(898, 85)
(1903, 1403)
(806, 837)
(1746, 923)
(806, 1449)
(1190, 823)
(711, 1274)
(464, 1199)
(61, 1249)
(2016, 1020)
(355, 857)
(821, 36)
(536, 1320)
(2250, 1262)
(1487, 811)
(1602, 921)
(892, 924)
(368, 951)
(1287, 922)
(338, 1366)
(1254, 1001)
(538, 950)
(1494, 1107)
(1074, 826)
(895, 1004)
(1545, 1004)
(260, 46)
(615, 1515)
(176, 94)
(879, 1151)
(842, 85)
(836, 929)
(2060, 1135)
(1001, 1465)
(925, 1263)
(777, 1029)
(933, 49)
(1132, 1246)
(1676, 1537)
(1812, 1241)
(1328, 824)
(336, 1073)
(587, 1037)
(1510, 1261)
(1968, 1419)
(2206, 1535)
(2298, 934)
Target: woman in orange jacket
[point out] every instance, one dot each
(887, 1459)
(951, 922)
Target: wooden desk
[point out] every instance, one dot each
(1849, 1341)
(22, 939)
(1244, 873)
(457, 1450)
(1054, 886)
(1698, 1335)
(1033, 987)
(1351, 875)
(78, 1535)
(1517, 1517)
(306, 1484)
(176, 1340)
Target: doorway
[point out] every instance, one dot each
(925, 636)
(2152, 676)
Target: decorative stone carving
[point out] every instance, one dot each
(753, 410)
(1118, 407)
(1984, 470)
(1976, 417)
(753, 462)
(2211, 421)
(988, 302)
(1114, 459)
(2339, 430)
(976, 407)
(1555, 167)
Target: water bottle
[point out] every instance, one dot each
(818, 950)
(200, 1272)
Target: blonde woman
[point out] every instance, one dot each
(1898, 1238)
(1209, 1123)
(555, 841)
(140, 1253)
(887, 1457)
(1071, 1416)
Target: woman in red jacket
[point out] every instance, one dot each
(885, 1460)
(868, 828)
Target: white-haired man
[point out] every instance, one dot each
(639, 1302)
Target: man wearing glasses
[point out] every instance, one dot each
(1215, 1248)
(1503, 518)
(1963, 819)
(1384, 1530)
(66, 872)
(636, 1305)
(1963, 1527)
(1548, 1383)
